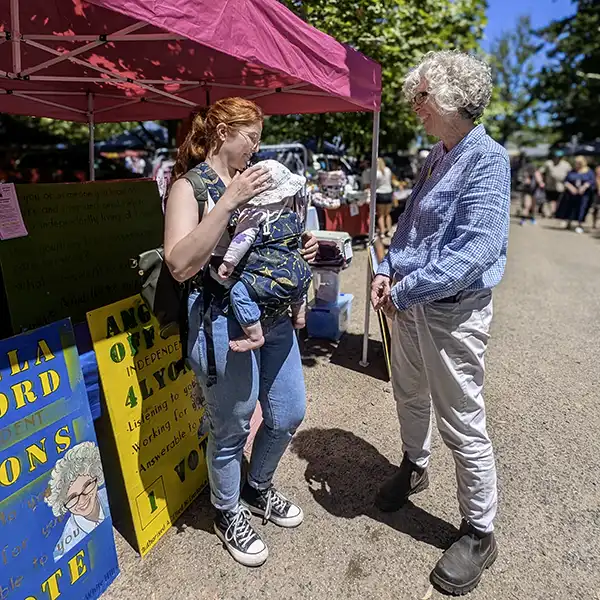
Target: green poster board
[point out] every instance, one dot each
(76, 257)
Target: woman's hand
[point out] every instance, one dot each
(245, 186)
(310, 246)
(380, 292)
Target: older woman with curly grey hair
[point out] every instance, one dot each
(436, 282)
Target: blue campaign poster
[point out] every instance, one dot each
(56, 537)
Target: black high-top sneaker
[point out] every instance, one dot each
(238, 536)
(406, 481)
(272, 506)
(460, 569)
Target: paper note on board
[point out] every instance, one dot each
(11, 220)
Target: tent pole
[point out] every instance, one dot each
(15, 24)
(91, 126)
(372, 215)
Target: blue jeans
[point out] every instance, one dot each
(272, 375)
(246, 311)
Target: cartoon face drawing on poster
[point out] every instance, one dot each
(76, 488)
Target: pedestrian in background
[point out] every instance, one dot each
(383, 196)
(530, 180)
(579, 188)
(554, 172)
(596, 204)
(436, 282)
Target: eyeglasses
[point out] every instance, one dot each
(419, 99)
(73, 501)
(252, 137)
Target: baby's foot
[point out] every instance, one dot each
(253, 339)
(246, 344)
(299, 317)
(299, 321)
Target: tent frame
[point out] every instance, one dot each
(157, 96)
(372, 216)
(128, 34)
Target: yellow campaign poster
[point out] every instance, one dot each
(155, 412)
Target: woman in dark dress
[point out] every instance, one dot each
(579, 189)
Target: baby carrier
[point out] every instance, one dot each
(273, 271)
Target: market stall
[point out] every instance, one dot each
(108, 60)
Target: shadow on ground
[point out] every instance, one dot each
(199, 515)
(343, 474)
(346, 353)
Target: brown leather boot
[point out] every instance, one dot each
(406, 481)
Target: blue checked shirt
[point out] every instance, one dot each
(453, 234)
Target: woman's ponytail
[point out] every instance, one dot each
(194, 148)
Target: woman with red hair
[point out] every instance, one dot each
(218, 148)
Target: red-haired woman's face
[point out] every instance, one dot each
(240, 143)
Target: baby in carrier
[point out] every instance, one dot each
(265, 252)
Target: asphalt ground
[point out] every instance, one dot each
(543, 403)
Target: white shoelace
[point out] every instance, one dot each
(277, 500)
(240, 528)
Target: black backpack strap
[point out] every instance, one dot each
(201, 195)
(200, 189)
(208, 290)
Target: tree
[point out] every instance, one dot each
(395, 33)
(79, 132)
(43, 131)
(570, 83)
(514, 105)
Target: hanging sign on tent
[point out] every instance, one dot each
(155, 418)
(77, 255)
(55, 523)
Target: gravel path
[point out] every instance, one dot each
(543, 415)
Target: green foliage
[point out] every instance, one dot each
(79, 132)
(570, 83)
(42, 131)
(514, 105)
(395, 33)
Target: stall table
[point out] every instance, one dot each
(345, 218)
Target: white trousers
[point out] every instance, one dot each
(438, 357)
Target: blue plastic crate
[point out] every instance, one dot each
(329, 321)
(89, 367)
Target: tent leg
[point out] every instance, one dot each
(372, 215)
(15, 23)
(92, 140)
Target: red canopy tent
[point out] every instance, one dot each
(148, 60)
(125, 60)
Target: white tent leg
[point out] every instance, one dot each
(91, 125)
(15, 23)
(372, 216)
